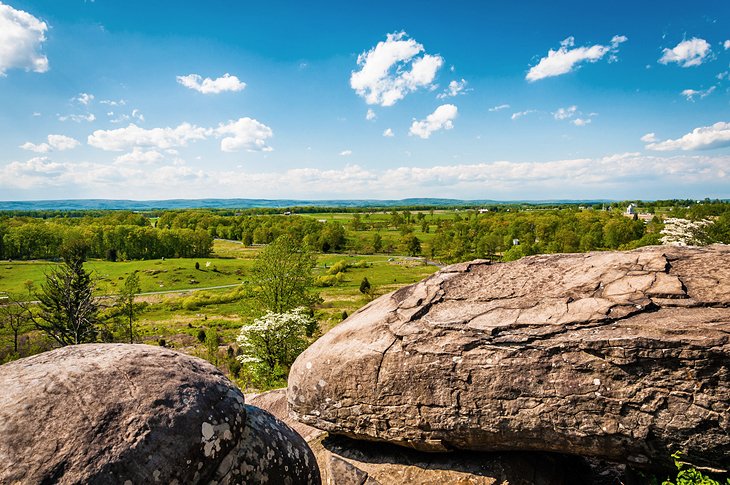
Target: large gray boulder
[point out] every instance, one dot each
(136, 414)
(617, 355)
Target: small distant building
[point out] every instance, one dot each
(515, 242)
(287, 213)
(631, 210)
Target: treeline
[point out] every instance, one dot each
(38, 239)
(515, 235)
(318, 236)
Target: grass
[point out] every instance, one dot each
(165, 316)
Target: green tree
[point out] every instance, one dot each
(365, 286)
(125, 302)
(413, 245)
(282, 275)
(377, 243)
(14, 317)
(67, 310)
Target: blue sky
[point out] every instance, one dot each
(492, 100)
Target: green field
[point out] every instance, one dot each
(170, 285)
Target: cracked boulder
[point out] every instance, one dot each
(136, 414)
(622, 356)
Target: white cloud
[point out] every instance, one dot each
(21, 36)
(566, 59)
(138, 156)
(370, 115)
(687, 53)
(520, 114)
(565, 113)
(499, 107)
(690, 94)
(455, 88)
(55, 142)
(392, 69)
(78, 118)
(581, 121)
(111, 102)
(134, 136)
(701, 138)
(726, 44)
(388, 133)
(244, 133)
(649, 138)
(84, 98)
(441, 119)
(136, 114)
(625, 173)
(123, 117)
(345, 153)
(211, 86)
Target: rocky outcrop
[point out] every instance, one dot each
(344, 461)
(134, 414)
(618, 355)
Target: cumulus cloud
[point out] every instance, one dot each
(21, 37)
(455, 88)
(499, 107)
(581, 121)
(55, 143)
(345, 153)
(138, 156)
(133, 136)
(649, 138)
(388, 133)
(691, 94)
(575, 178)
(726, 44)
(520, 114)
(701, 138)
(244, 134)
(392, 69)
(687, 53)
(370, 115)
(567, 58)
(441, 119)
(211, 86)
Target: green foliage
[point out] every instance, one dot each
(212, 340)
(201, 335)
(126, 305)
(688, 475)
(282, 275)
(365, 286)
(67, 311)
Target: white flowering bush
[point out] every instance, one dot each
(275, 339)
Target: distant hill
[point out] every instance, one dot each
(107, 204)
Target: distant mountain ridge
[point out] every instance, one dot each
(109, 204)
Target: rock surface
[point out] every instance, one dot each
(269, 451)
(343, 461)
(127, 414)
(618, 355)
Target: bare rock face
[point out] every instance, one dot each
(130, 414)
(618, 355)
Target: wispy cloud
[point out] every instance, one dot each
(566, 59)
(499, 107)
